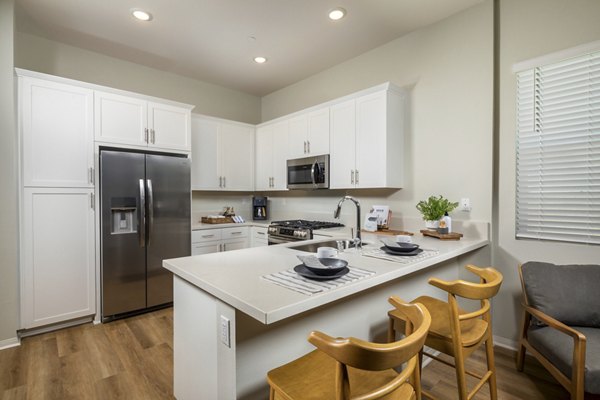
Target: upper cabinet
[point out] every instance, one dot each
(57, 139)
(271, 156)
(222, 155)
(134, 121)
(309, 134)
(367, 141)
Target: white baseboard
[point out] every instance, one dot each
(506, 343)
(8, 343)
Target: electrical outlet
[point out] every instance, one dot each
(465, 204)
(225, 331)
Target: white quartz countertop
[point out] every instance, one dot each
(234, 277)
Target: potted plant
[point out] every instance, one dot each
(434, 208)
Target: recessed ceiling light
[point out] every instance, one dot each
(260, 60)
(337, 13)
(141, 15)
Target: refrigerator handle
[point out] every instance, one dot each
(150, 210)
(142, 221)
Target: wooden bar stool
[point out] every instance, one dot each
(355, 369)
(459, 333)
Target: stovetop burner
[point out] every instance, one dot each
(304, 224)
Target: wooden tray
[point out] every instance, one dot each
(390, 232)
(207, 220)
(442, 236)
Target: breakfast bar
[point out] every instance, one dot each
(232, 324)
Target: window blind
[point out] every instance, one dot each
(558, 151)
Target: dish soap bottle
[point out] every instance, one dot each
(447, 222)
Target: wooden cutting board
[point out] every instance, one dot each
(442, 236)
(390, 232)
(208, 220)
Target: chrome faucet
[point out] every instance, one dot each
(336, 214)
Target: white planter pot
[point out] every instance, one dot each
(432, 224)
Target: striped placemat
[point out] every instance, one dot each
(291, 280)
(378, 253)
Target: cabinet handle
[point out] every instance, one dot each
(152, 135)
(236, 233)
(92, 202)
(356, 177)
(208, 236)
(352, 176)
(260, 233)
(220, 181)
(224, 181)
(308, 146)
(305, 147)
(91, 175)
(224, 247)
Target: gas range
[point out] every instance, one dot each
(296, 229)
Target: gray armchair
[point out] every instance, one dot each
(561, 325)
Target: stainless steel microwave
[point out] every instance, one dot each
(308, 173)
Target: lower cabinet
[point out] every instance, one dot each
(219, 239)
(58, 255)
(258, 236)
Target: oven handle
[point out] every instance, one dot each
(278, 240)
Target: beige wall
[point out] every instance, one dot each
(530, 29)
(448, 69)
(9, 282)
(43, 55)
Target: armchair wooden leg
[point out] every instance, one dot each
(522, 350)
(491, 364)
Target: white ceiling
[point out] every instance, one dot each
(210, 40)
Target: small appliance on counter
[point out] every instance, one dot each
(259, 208)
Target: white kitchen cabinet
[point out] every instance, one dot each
(56, 122)
(222, 155)
(367, 141)
(58, 256)
(309, 134)
(258, 236)
(130, 120)
(271, 156)
(219, 239)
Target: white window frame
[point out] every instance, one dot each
(558, 147)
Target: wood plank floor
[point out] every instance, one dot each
(133, 359)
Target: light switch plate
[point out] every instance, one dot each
(225, 331)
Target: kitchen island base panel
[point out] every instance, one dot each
(206, 368)
(203, 364)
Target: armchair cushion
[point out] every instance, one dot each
(568, 293)
(557, 347)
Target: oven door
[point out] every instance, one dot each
(272, 239)
(308, 173)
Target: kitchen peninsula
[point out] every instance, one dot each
(231, 325)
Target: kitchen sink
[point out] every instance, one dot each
(312, 247)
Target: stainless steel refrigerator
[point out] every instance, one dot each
(145, 202)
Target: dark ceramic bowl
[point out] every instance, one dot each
(331, 266)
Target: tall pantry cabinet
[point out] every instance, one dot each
(57, 198)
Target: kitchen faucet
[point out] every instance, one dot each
(336, 214)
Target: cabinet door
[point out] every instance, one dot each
(205, 159)
(58, 256)
(318, 132)
(371, 143)
(237, 154)
(297, 137)
(234, 244)
(264, 157)
(280, 145)
(258, 237)
(169, 127)
(57, 134)
(342, 159)
(205, 248)
(120, 119)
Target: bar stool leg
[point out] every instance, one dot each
(461, 379)
(489, 350)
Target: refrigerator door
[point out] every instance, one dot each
(168, 221)
(123, 237)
